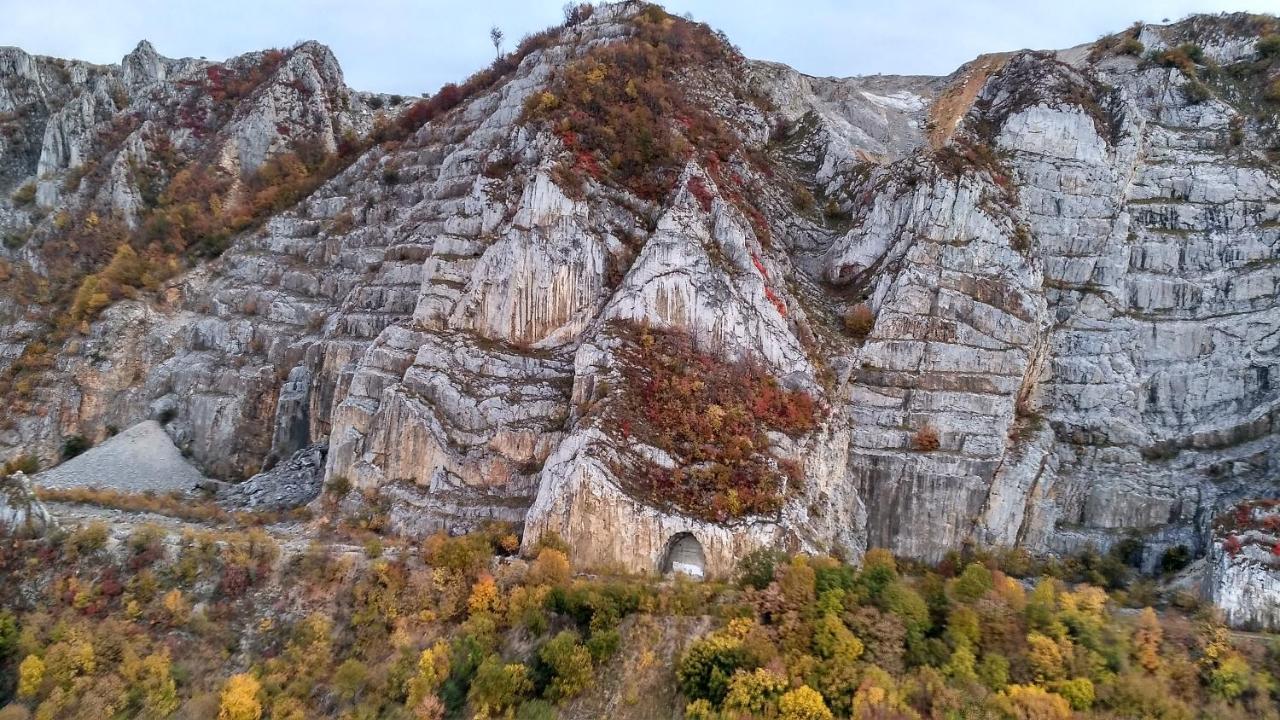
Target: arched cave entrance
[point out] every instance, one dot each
(684, 555)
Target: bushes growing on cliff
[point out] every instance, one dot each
(1185, 57)
(24, 195)
(926, 439)
(711, 415)
(620, 112)
(625, 115)
(859, 320)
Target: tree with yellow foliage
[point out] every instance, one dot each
(175, 608)
(1045, 656)
(754, 692)
(877, 697)
(1030, 702)
(803, 703)
(498, 687)
(833, 641)
(30, 676)
(159, 692)
(550, 568)
(433, 668)
(239, 699)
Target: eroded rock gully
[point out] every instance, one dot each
(1070, 257)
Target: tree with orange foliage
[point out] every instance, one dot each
(1146, 640)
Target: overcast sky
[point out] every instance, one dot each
(414, 46)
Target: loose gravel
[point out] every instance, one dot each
(140, 459)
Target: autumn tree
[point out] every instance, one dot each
(432, 669)
(755, 692)
(239, 699)
(803, 703)
(1146, 640)
(551, 567)
(30, 676)
(498, 687)
(155, 681)
(1030, 702)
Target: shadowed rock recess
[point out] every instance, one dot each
(1070, 260)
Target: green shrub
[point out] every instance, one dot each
(350, 679)
(1174, 559)
(498, 687)
(1269, 47)
(87, 539)
(1196, 92)
(74, 445)
(567, 665)
(973, 583)
(1078, 691)
(1272, 93)
(338, 486)
(536, 710)
(28, 464)
(705, 669)
(757, 567)
(1185, 57)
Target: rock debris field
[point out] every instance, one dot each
(140, 459)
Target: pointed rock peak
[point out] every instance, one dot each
(313, 47)
(143, 65)
(320, 55)
(143, 52)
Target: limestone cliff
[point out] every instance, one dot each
(1064, 265)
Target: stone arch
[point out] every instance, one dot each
(684, 555)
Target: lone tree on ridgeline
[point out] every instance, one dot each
(495, 37)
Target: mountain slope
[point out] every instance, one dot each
(1032, 303)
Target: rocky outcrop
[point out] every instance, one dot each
(1068, 261)
(21, 512)
(1243, 577)
(291, 483)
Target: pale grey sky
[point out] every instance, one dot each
(410, 47)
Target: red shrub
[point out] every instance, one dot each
(235, 580)
(1232, 545)
(699, 190)
(926, 439)
(777, 301)
(110, 584)
(1244, 514)
(755, 260)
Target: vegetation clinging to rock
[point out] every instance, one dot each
(712, 416)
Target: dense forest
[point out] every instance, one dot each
(242, 625)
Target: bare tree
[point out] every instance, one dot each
(495, 37)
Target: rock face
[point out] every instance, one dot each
(1243, 578)
(21, 513)
(1068, 259)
